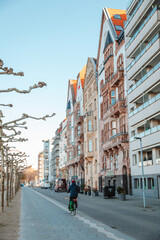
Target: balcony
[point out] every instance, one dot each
(116, 109)
(89, 155)
(118, 77)
(79, 120)
(158, 161)
(145, 105)
(115, 140)
(146, 77)
(80, 138)
(147, 132)
(79, 157)
(146, 163)
(150, 22)
(70, 162)
(150, 53)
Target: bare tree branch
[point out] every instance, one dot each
(39, 85)
(9, 71)
(6, 105)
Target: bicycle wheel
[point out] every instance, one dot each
(74, 209)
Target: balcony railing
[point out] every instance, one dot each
(141, 27)
(134, 12)
(146, 132)
(79, 120)
(80, 138)
(79, 157)
(154, 69)
(118, 107)
(144, 105)
(158, 161)
(146, 163)
(143, 51)
(117, 77)
(115, 140)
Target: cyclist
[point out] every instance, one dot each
(73, 189)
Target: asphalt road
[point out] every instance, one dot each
(127, 217)
(43, 218)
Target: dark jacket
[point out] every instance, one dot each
(73, 189)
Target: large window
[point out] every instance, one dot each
(96, 166)
(114, 131)
(113, 100)
(150, 183)
(95, 144)
(69, 139)
(89, 126)
(79, 130)
(136, 183)
(90, 146)
(134, 159)
(79, 149)
(70, 155)
(144, 183)
(69, 125)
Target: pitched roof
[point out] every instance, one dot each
(117, 22)
(82, 75)
(74, 84)
(108, 41)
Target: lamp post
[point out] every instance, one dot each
(144, 198)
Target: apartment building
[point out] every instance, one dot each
(46, 156)
(63, 150)
(40, 167)
(55, 155)
(90, 110)
(71, 99)
(142, 35)
(113, 115)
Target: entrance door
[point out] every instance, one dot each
(158, 186)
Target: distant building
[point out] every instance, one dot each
(90, 110)
(40, 167)
(63, 150)
(46, 155)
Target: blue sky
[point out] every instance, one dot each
(50, 40)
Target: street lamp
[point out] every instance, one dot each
(144, 198)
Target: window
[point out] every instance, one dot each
(116, 164)
(69, 125)
(87, 168)
(150, 183)
(69, 139)
(117, 16)
(89, 126)
(144, 183)
(134, 159)
(113, 100)
(118, 27)
(90, 146)
(79, 130)
(95, 144)
(79, 149)
(69, 155)
(78, 113)
(114, 131)
(95, 123)
(94, 103)
(95, 166)
(136, 183)
(111, 162)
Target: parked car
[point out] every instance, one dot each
(60, 185)
(45, 186)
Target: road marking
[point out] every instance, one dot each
(109, 234)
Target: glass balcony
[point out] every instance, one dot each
(144, 78)
(129, 3)
(143, 51)
(134, 12)
(141, 27)
(144, 105)
(146, 133)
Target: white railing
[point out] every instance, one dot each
(144, 105)
(147, 132)
(146, 163)
(141, 27)
(154, 69)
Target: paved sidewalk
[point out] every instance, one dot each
(44, 218)
(9, 219)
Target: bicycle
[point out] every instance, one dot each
(73, 206)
